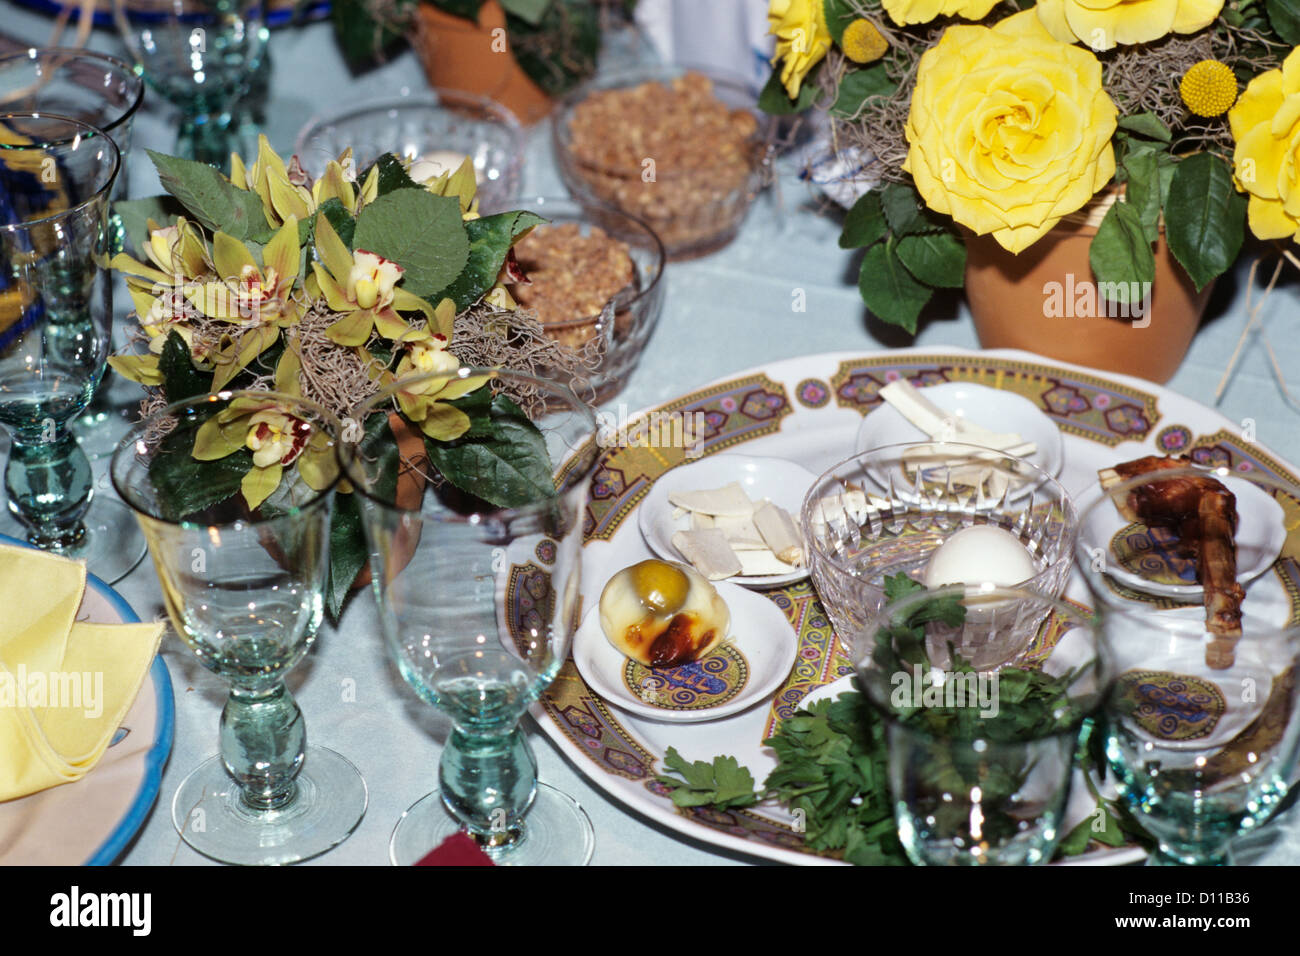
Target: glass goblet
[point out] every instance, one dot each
(104, 92)
(981, 758)
(202, 56)
(1202, 731)
(56, 318)
(479, 605)
(244, 591)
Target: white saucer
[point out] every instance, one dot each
(760, 637)
(990, 408)
(1261, 533)
(784, 482)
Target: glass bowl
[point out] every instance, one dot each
(421, 124)
(620, 330)
(877, 514)
(693, 191)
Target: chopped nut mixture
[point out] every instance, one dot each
(571, 276)
(673, 155)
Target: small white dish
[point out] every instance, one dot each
(990, 408)
(778, 479)
(760, 648)
(1261, 533)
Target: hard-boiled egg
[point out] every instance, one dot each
(662, 614)
(980, 554)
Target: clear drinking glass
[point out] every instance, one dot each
(202, 56)
(1203, 744)
(979, 769)
(104, 92)
(244, 590)
(56, 318)
(479, 605)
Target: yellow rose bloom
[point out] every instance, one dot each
(1266, 127)
(1009, 129)
(802, 39)
(1104, 24)
(904, 12)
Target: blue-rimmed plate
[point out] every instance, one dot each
(91, 821)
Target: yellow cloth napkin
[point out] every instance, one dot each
(65, 685)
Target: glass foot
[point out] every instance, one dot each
(557, 833)
(111, 547)
(210, 816)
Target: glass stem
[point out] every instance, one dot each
(49, 483)
(206, 137)
(263, 739)
(488, 783)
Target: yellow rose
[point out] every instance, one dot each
(802, 39)
(904, 12)
(1009, 130)
(1102, 24)
(1266, 126)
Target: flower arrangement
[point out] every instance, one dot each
(984, 118)
(264, 281)
(555, 42)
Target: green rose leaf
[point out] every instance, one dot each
(1146, 124)
(558, 50)
(1142, 173)
(530, 11)
(1121, 257)
(858, 86)
(1204, 217)
(1284, 15)
(508, 468)
(461, 8)
(935, 258)
(214, 202)
(421, 232)
(888, 288)
(839, 14)
(392, 175)
(361, 37)
(905, 212)
(490, 238)
(348, 548)
(186, 485)
(136, 213)
(864, 224)
(775, 101)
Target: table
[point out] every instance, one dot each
(719, 300)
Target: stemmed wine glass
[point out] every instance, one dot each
(244, 591)
(56, 318)
(479, 605)
(202, 55)
(981, 758)
(1202, 734)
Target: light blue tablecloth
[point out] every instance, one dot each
(723, 313)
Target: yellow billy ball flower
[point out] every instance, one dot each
(863, 43)
(1209, 88)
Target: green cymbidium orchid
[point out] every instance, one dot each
(463, 184)
(276, 438)
(426, 403)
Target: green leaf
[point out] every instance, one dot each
(530, 11)
(1284, 16)
(509, 468)
(490, 238)
(774, 100)
(722, 784)
(461, 8)
(858, 86)
(361, 38)
(1204, 217)
(421, 232)
(1146, 124)
(1142, 175)
(1121, 257)
(839, 14)
(392, 175)
(905, 212)
(181, 379)
(864, 224)
(935, 258)
(136, 213)
(339, 217)
(212, 199)
(559, 51)
(348, 548)
(888, 288)
(186, 486)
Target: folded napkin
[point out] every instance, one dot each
(459, 849)
(65, 685)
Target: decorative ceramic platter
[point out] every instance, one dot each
(91, 821)
(809, 410)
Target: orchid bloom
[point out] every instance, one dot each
(371, 280)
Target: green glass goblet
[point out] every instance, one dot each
(981, 758)
(56, 318)
(244, 590)
(1202, 732)
(479, 603)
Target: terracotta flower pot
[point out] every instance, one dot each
(460, 55)
(410, 489)
(1045, 300)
